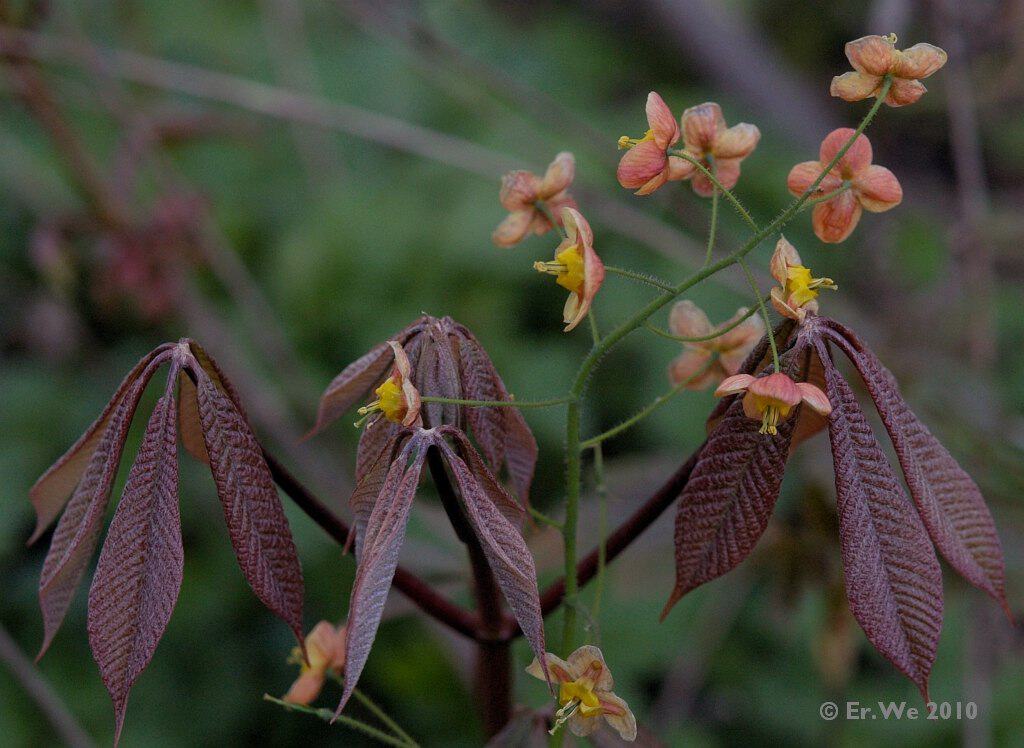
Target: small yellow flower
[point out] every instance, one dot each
(398, 400)
(585, 693)
(576, 267)
(797, 292)
(325, 648)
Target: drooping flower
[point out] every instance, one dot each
(720, 149)
(398, 400)
(644, 165)
(874, 57)
(576, 267)
(521, 191)
(770, 398)
(689, 321)
(325, 651)
(857, 182)
(797, 292)
(585, 693)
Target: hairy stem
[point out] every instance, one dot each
(759, 300)
(719, 332)
(712, 229)
(719, 187)
(649, 280)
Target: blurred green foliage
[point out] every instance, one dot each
(348, 256)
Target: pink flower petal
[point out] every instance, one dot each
(661, 121)
(737, 142)
(919, 61)
(558, 177)
(815, 398)
(518, 190)
(777, 387)
(512, 230)
(784, 257)
(640, 164)
(871, 54)
(835, 219)
(688, 320)
(854, 86)
(687, 364)
(656, 181)
(878, 189)
(802, 176)
(734, 384)
(855, 160)
(680, 169)
(701, 126)
(781, 306)
(904, 92)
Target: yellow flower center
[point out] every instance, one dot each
(772, 411)
(567, 268)
(801, 287)
(582, 693)
(390, 402)
(626, 142)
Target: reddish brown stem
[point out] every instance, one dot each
(493, 665)
(416, 589)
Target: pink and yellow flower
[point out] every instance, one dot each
(521, 191)
(398, 400)
(857, 182)
(874, 57)
(719, 148)
(687, 320)
(644, 165)
(797, 292)
(585, 693)
(770, 399)
(325, 649)
(576, 267)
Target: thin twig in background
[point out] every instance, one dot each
(285, 29)
(36, 688)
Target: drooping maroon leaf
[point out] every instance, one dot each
(372, 441)
(385, 532)
(726, 504)
(78, 529)
(502, 433)
(139, 572)
(436, 374)
(51, 491)
(256, 523)
(480, 381)
(370, 486)
(507, 554)
(511, 509)
(190, 427)
(893, 579)
(948, 500)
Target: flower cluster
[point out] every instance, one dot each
(712, 353)
(875, 57)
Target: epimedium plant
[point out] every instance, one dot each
(438, 401)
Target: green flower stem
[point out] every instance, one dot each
(543, 208)
(719, 332)
(826, 197)
(712, 229)
(609, 341)
(601, 488)
(596, 441)
(376, 710)
(764, 310)
(327, 715)
(499, 403)
(719, 186)
(544, 519)
(649, 280)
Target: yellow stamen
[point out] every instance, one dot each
(770, 421)
(576, 696)
(567, 268)
(390, 402)
(891, 38)
(801, 287)
(626, 142)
